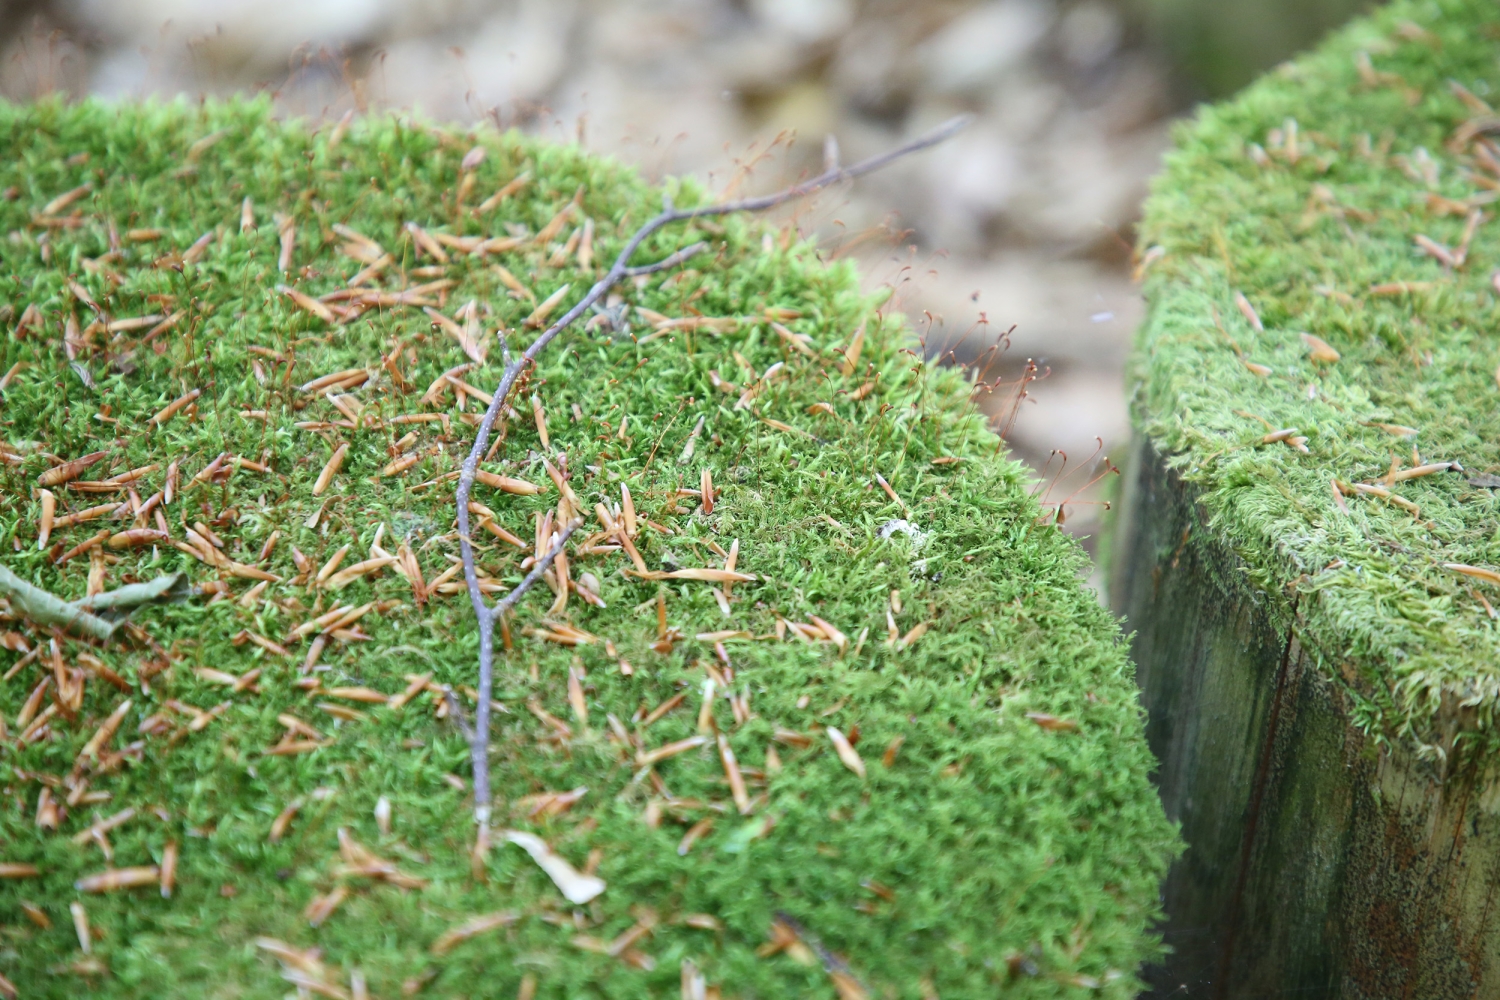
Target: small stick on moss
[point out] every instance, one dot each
(514, 367)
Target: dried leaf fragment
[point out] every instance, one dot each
(575, 886)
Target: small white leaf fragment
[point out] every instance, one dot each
(577, 887)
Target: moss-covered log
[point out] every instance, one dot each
(1309, 547)
(277, 338)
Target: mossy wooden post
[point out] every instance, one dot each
(294, 328)
(1310, 582)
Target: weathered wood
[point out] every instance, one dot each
(1320, 862)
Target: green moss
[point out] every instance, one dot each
(1019, 859)
(1307, 238)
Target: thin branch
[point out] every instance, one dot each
(687, 252)
(514, 366)
(530, 579)
(479, 737)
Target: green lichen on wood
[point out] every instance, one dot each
(1307, 194)
(987, 853)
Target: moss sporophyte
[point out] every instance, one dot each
(743, 739)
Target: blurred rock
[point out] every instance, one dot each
(971, 53)
(806, 21)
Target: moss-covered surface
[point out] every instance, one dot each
(1312, 195)
(983, 852)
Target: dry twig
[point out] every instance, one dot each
(486, 614)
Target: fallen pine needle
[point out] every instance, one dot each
(846, 752)
(890, 492)
(1052, 722)
(173, 408)
(322, 907)
(358, 694)
(694, 833)
(81, 927)
(284, 819)
(118, 878)
(508, 484)
(736, 780)
(331, 469)
(670, 750)
(1477, 572)
(1319, 349)
(476, 926)
(168, 869)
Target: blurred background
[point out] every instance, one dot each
(1024, 223)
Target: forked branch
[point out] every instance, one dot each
(621, 269)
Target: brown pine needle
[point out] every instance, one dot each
(508, 484)
(284, 819)
(364, 694)
(575, 696)
(651, 757)
(540, 416)
(627, 511)
(1319, 349)
(850, 359)
(694, 833)
(910, 638)
(890, 492)
(845, 751)
(118, 878)
(67, 198)
(836, 637)
(736, 780)
(1477, 572)
(81, 927)
(472, 928)
(1422, 470)
(349, 574)
(331, 469)
(513, 283)
(1248, 311)
(49, 510)
(68, 471)
(544, 309)
(105, 732)
(506, 191)
(428, 245)
(168, 876)
(307, 303)
(554, 226)
(1052, 722)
